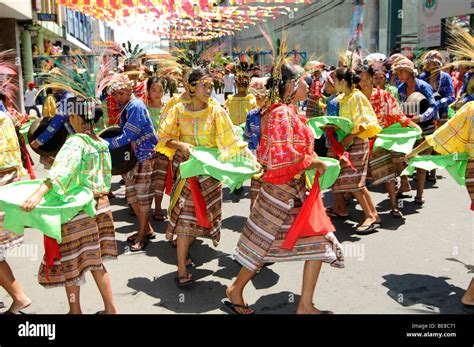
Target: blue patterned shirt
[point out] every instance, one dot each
(465, 82)
(444, 82)
(137, 127)
(425, 89)
(252, 128)
(61, 118)
(332, 106)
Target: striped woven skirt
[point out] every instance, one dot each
(8, 239)
(265, 231)
(381, 166)
(255, 186)
(86, 243)
(470, 181)
(182, 215)
(350, 180)
(141, 183)
(160, 175)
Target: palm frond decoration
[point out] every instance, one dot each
(461, 46)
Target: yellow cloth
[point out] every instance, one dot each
(239, 107)
(456, 135)
(49, 108)
(358, 109)
(210, 128)
(10, 155)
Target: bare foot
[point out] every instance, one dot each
(302, 309)
(237, 299)
(17, 306)
(468, 297)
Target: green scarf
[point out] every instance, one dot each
(49, 215)
(397, 139)
(344, 126)
(205, 161)
(455, 164)
(329, 177)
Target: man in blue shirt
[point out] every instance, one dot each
(405, 71)
(440, 81)
(141, 181)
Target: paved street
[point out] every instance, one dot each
(421, 264)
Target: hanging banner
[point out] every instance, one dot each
(357, 23)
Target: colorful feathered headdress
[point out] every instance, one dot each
(85, 80)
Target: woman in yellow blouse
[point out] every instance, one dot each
(197, 123)
(10, 171)
(456, 136)
(355, 106)
(240, 104)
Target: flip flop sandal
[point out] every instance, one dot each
(188, 280)
(368, 229)
(396, 214)
(188, 258)
(402, 196)
(230, 308)
(159, 218)
(141, 246)
(8, 312)
(132, 238)
(419, 201)
(333, 214)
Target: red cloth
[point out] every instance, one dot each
(387, 110)
(472, 206)
(338, 149)
(312, 219)
(286, 146)
(113, 111)
(51, 252)
(199, 203)
(169, 179)
(316, 89)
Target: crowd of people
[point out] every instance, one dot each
(264, 121)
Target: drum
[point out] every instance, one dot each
(417, 104)
(52, 147)
(123, 158)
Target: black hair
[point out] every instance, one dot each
(80, 107)
(366, 68)
(3, 97)
(288, 72)
(49, 91)
(153, 80)
(348, 75)
(197, 74)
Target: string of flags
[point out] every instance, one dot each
(184, 20)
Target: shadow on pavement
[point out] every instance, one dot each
(434, 293)
(201, 297)
(230, 268)
(279, 303)
(469, 268)
(234, 223)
